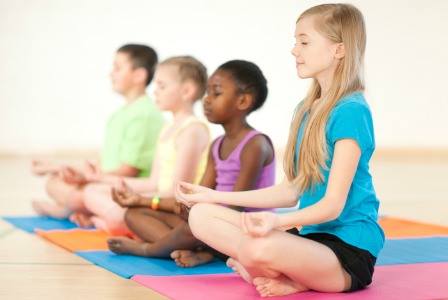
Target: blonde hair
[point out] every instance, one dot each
(190, 69)
(340, 23)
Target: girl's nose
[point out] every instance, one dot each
(295, 51)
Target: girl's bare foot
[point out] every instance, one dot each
(82, 220)
(280, 286)
(188, 259)
(239, 269)
(45, 208)
(124, 245)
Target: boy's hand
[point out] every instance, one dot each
(72, 176)
(92, 171)
(124, 196)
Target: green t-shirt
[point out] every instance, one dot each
(131, 136)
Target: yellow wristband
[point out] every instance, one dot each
(155, 202)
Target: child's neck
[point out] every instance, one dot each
(234, 128)
(133, 94)
(182, 113)
(325, 79)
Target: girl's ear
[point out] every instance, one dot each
(340, 51)
(245, 101)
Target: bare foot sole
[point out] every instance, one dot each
(82, 220)
(280, 286)
(124, 245)
(239, 269)
(45, 208)
(188, 258)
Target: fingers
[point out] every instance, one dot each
(254, 224)
(181, 196)
(187, 187)
(114, 195)
(243, 222)
(123, 185)
(118, 197)
(120, 185)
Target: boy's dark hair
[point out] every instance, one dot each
(141, 56)
(249, 79)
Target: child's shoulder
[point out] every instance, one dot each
(193, 128)
(144, 107)
(259, 142)
(352, 100)
(354, 103)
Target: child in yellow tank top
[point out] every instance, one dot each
(181, 154)
(168, 155)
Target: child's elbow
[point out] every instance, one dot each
(291, 202)
(333, 211)
(292, 196)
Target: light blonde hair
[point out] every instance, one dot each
(340, 23)
(190, 69)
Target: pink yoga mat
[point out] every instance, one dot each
(410, 282)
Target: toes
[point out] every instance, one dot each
(263, 291)
(230, 263)
(175, 254)
(186, 253)
(113, 242)
(261, 281)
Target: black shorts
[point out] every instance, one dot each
(358, 263)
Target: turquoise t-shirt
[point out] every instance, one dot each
(357, 224)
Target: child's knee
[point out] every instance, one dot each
(93, 196)
(90, 191)
(114, 223)
(130, 216)
(52, 185)
(196, 217)
(254, 251)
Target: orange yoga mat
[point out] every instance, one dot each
(77, 239)
(400, 228)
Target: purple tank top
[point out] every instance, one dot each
(227, 170)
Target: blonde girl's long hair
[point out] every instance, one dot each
(341, 23)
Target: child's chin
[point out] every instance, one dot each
(213, 121)
(303, 75)
(117, 90)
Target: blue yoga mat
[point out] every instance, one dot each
(130, 265)
(412, 251)
(29, 224)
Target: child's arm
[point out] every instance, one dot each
(190, 145)
(281, 195)
(140, 185)
(125, 170)
(255, 155)
(209, 178)
(343, 168)
(345, 162)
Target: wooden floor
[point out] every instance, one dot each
(32, 268)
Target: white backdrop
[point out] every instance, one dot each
(55, 57)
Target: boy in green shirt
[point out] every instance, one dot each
(130, 139)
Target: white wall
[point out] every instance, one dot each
(55, 56)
